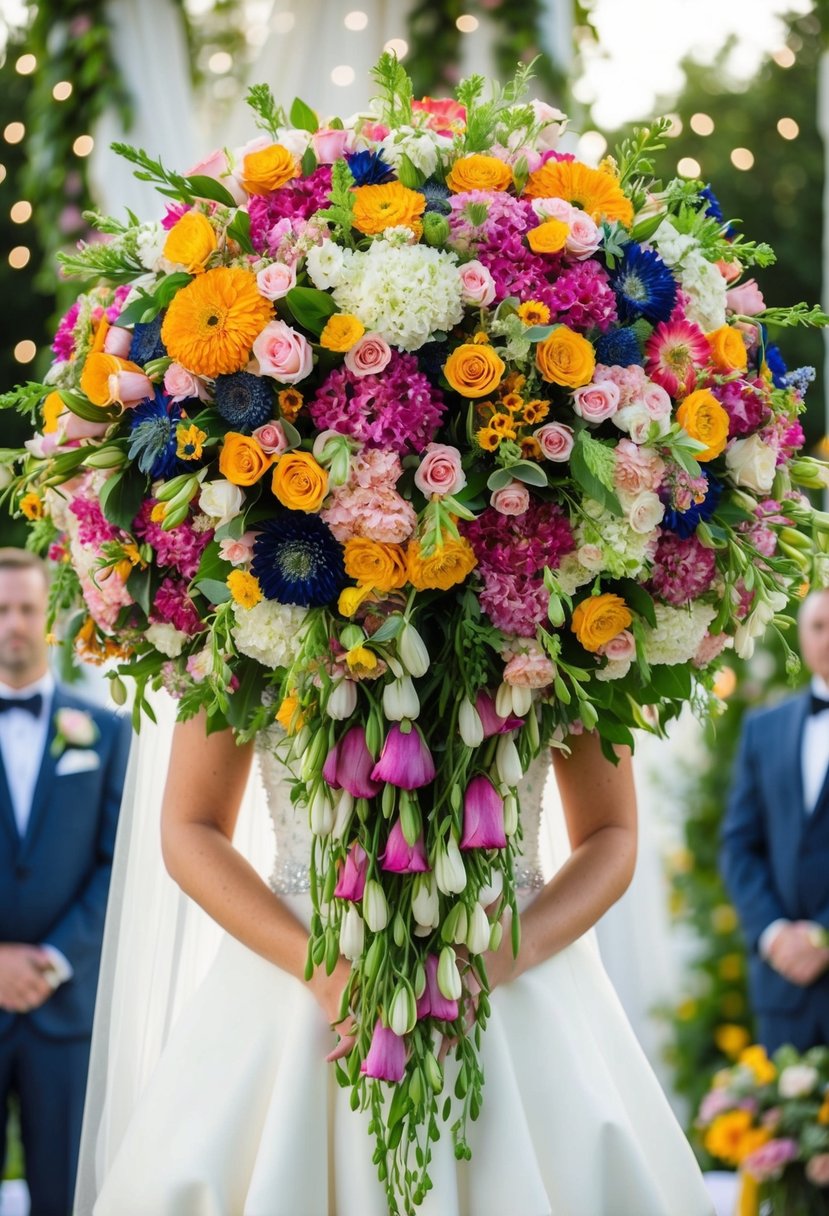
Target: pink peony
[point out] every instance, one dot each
(596, 402)
(440, 471)
(683, 569)
(369, 356)
(283, 353)
(637, 468)
(276, 280)
(556, 440)
(515, 603)
(630, 381)
(512, 499)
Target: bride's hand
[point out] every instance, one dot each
(501, 967)
(327, 990)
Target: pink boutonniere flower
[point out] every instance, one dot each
(73, 728)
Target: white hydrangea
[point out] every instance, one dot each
(614, 669)
(625, 553)
(150, 239)
(422, 147)
(166, 638)
(571, 574)
(673, 246)
(324, 264)
(698, 277)
(678, 632)
(269, 632)
(404, 293)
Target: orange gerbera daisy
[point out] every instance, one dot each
(389, 206)
(596, 192)
(211, 323)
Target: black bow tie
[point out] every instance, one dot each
(817, 704)
(32, 705)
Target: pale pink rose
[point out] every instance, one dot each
(330, 144)
(746, 299)
(118, 341)
(596, 402)
(556, 440)
(656, 401)
(183, 385)
(237, 551)
(716, 1102)
(374, 131)
(477, 284)
(710, 646)
(271, 438)
(530, 670)
(817, 1170)
(440, 470)
(645, 512)
(635, 421)
(591, 557)
(621, 648)
(554, 209)
(283, 353)
(729, 270)
(216, 166)
(513, 499)
(552, 121)
(369, 356)
(584, 236)
(637, 468)
(276, 280)
(200, 665)
(514, 151)
(630, 381)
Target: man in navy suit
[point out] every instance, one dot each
(62, 765)
(775, 849)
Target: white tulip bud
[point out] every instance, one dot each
(492, 891)
(322, 812)
(503, 700)
(449, 978)
(344, 809)
(425, 902)
(403, 1011)
(450, 872)
(300, 742)
(477, 937)
(469, 724)
(510, 815)
(375, 906)
(342, 700)
(507, 761)
(352, 934)
(522, 699)
(461, 925)
(412, 651)
(400, 700)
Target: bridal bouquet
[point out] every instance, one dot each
(770, 1119)
(436, 445)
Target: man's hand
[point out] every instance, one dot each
(796, 956)
(23, 986)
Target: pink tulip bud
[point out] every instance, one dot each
(400, 857)
(405, 760)
(483, 816)
(348, 765)
(118, 341)
(491, 720)
(129, 388)
(386, 1059)
(433, 1003)
(352, 880)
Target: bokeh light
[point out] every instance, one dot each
(788, 128)
(397, 46)
(742, 158)
(25, 65)
(83, 145)
(14, 132)
(702, 124)
(19, 257)
(688, 167)
(355, 20)
(21, 211)
(25, 351)
(467, 24)
(62, 90)
(343, 75)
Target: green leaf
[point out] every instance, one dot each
(528, 472)
(409, 174)
(671, 681)
(303, 116)
(216, 591)
(170, 285)
(309, 162)
(144, 308)
(138, 585)
(121, 497)
(239, 231)
(537, 333)
(212, 566)
(311, 308)
(615, 732)
(83, 407)
(389, 629)
(637, 598)
(247, 698)
(593, 485)
(209, 187)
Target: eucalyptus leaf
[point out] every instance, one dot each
(217, 592)
(389, 629)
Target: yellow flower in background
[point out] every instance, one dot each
(756, 1059)
(372, 563)
(289, 715)
(290, 401)
(361, 661)
(31, 505)
(533, 312)
(823, 1113)
(731, 1039)
(191, 242)
(753, 1139)
(51, 410)
(445, 566)
(189, 440)
(687, 1009)
(726, 1137)
(728, 350)
(732, 1004)
(478, 172)
(599, 618)
(299, 482)
(341, 331)
(593, 190)
(730, 967)
(503, 426)
(474, 369)
(268, 169)
(549, 237)
(242, 461)
(703, 418)
(723, 919)
(391, 205)
(211, 324)
(565, 358)
(244, 588)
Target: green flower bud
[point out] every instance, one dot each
(435, 229)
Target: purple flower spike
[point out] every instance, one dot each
(483, 816)
(405, 760)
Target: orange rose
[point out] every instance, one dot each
(268, 169)
(598, 619)
(565, 358)
(479, 172)
(242, 461)
(703, 418)
(548, 237)
(191, 241)
(728, 350)
(474, 369)
(445, 566)
(374, 564)
(299, 482)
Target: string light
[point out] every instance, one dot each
(467, 24)
(83, 145)
(742, 158)
(688, 167)
(355, 20)
(62, 90)
(220, 62)
(788, 128)
(19, 257)
(14, 132)
(343, 75)
(702, 124)
(25, 65)
(25, 351)
(675, 128)
(397, 46)
(2, 173)
(785, 57)
(21, 212)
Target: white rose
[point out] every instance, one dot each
(635, 421)
(421, 147)
(221, 500)
(645, 512)
(752, 463)
(797, 1081)
(166, 638)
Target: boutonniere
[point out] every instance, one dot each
(73, 728)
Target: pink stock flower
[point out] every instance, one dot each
(512, 499)
(492, 721)
(283, 353)
(711, 645)
(348, 765)
(405, 760)
(178, 548)
(683, 569)
(400, 857)
(368, 356)
(440, 470)
(483, 816)
(386, 1058)
(352, 880)
(433, 1003)
(296, 201)
(172, 604)
(515, 603)
(582, 297)
(770, 1159)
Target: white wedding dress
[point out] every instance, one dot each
(243, 1117)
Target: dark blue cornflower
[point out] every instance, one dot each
(146, 342)
(153, 436)
(437, 195)
(776, 365)
(368, 168)
(297, 560)
(619, 348)
(713, 208)
(244, 400)
(644, 285)
(684, 523)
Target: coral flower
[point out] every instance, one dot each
(349, 763)
(387, 206)
(386, 1059)
(483, 816)
(405, 760)
(433, 1003)
(593, 190)
(352, 881)
(212, 323)
(674, 352)
(400, 857)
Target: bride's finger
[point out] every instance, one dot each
(344, 1046)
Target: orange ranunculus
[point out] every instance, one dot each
(593, 190)
(267, 169)
(191, 242)
(703, 418)
(211, 324)
(474, 369)
(549, 237)
(565, 358)
(445, 566)
(104, 378)
(242, 461)
(299, 482)
(728, 350)
(599, 618)
(391, 205)
(372, 563)
(341, 332)
(478, 172)
(52, 409)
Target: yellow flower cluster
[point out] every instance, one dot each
(732, 1136)
(392, 205)
(506, 417)
(447, 564)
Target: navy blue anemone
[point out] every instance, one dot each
(437, 195)
(619, 348)
(298, 560)
(146, 341)
(368, 168)
(244, 400)
(644, 285)
(153, 436)
(684, 523)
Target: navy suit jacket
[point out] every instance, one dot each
(54, 881)
(775, 856)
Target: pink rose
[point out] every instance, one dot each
(656, 401)
(553, 123)
(556, 440)
(237, 551)
(513, 499)
(369, 356)
(584, 236)
(596, 402)
(817, 1170)
(330, 144)
(271, 438)
(555, 209)
(440, 471)
(747, 299)
(118, 342)
(276, 280)
(531, 670)
(183, 385)
(477, 284)
(129, 388)
(622, 648)
(72, 427)
(637, 468)
(216, 166)
(283, 353)
(374, 131)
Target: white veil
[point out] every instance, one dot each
(158, 944)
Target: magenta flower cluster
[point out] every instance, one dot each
(179, 549)
(517, 271)
(504, 216)
(683, 569)
(93, 527)
(743, 401)
(297, 199)
(172, 605)
(583, 299)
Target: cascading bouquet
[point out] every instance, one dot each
(436, 445)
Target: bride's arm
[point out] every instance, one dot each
(205, 784)
(600, 811)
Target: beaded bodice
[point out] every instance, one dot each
(293, 835)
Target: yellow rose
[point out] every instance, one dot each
(703, 418)
(374, 564)
(244, 588)
(191, 241)
(728, 350)
(299, 482)
(391, 205)
(565, 358)
(479, 172)
(474, 369)
(341, 332)
(548, 237)
(445, 566)
(598, 619)
(289, 715)
(268, 169)
(242, 461)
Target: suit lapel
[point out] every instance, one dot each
(791, 749)
(45, 780)
(8, 823)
